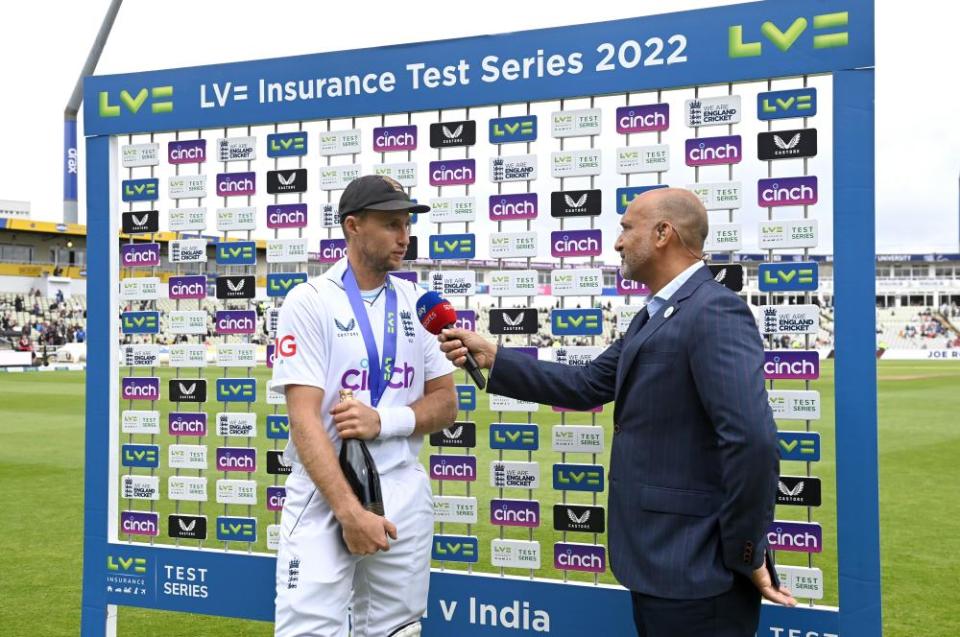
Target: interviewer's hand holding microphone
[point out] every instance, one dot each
(463, 348)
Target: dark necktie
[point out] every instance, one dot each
(642, 317)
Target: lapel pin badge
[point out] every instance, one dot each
(668, 313)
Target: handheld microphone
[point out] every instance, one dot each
(436, 314)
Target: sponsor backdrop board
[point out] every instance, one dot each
(238, 490)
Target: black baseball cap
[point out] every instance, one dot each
(377, 192)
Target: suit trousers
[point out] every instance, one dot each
(734, 613)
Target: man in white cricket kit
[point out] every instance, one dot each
(334, 553)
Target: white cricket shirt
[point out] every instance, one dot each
(319, 344)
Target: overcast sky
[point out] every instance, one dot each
(43, 45)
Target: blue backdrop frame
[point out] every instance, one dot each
(707, 33)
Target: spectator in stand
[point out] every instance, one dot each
(18, 304)
(25, 344)
(80, 335)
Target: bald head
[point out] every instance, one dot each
(684, 210)
(662, 234)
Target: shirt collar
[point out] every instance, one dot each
(335, 274)
(335, 271)
(658, 300)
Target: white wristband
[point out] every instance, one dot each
(396, 422)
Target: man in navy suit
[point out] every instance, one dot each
(694, 463)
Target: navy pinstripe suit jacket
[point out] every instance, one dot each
(694, 463)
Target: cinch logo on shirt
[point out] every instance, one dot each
(402, 376)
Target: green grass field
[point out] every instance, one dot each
(41, 472)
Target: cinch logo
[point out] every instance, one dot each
(458, 468)
(140, 255)
(575, 243)
(242, 390)
(236, 459)
(710, 151)
(139, 523)
(231, 529)
(786, 191)
(332, 250)
(286, 144)
(394, 138)
(187, 424)
(236, 322)
(287, 215)
(127, 565)
(518, 437)
(191, 151)
(801, 102)
(799, 445)
(504, 130)
(280, 283)
(625, 196)
(643, 119)
(788, 277)
(455, 548)
(579, 557)
(160, 101)
(577, 477)
(236, 184)
(237, 253)
(276, 496)
(576, 322)
(519, 206)
(525, 513)
(784, 40)
(453, 246)
(466, 320)
(140, 189)
(466, 398)
(140, 322)
(278, 427)
(145, 456)
(630, 287)
(791, 365)
(801, 537)
(454, 172)
(359, 379)
(187, 287)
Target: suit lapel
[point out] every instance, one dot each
(634, 343)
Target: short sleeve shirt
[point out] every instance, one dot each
(319, 344)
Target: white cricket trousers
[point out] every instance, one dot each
(318, 580)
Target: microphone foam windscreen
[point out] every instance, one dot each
(434, 312)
